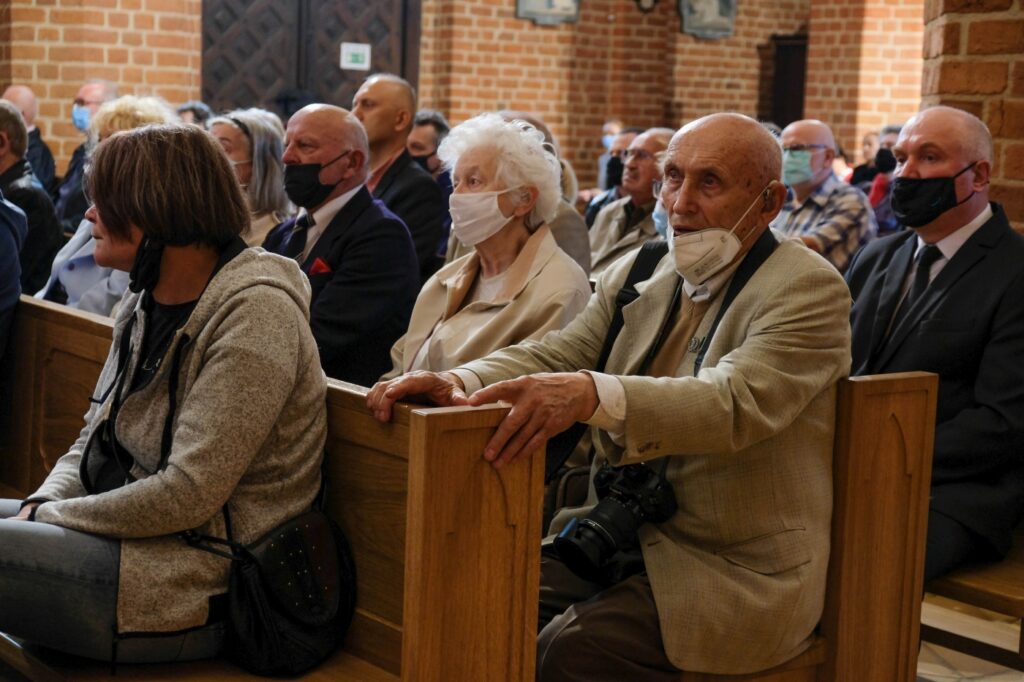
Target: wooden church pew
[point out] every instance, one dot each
(445, 545)
(417, 524)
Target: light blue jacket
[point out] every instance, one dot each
(90, 287)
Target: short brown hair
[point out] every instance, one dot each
(13, 124)
(173, 182)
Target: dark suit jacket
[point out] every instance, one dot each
(12, 234)
(969, 328)
(415, 197)
(44, 238)
(38, 154)
(69, 199)
(362, 304)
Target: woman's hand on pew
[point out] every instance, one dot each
(26, 512)
(543, 405)
(443, 389)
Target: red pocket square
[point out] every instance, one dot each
(319, 265)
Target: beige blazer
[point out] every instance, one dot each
(738, 573)
(544, 290)
(606, 244)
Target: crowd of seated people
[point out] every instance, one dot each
(713, 370)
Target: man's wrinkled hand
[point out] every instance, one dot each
(442, 389)
(543, 405)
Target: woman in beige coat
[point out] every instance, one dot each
(516, 284)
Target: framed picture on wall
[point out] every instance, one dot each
(548, 12)
(708, 18)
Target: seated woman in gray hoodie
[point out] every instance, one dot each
(212, 396)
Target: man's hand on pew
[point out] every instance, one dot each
(543, 405)
(443, 389)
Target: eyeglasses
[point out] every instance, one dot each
(79, 102)
(638, 154)
(803, 147)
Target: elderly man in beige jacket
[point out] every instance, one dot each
(723, 382)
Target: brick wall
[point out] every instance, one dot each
(863, 65)
(974, 60)
(615, 62)
(147, 47)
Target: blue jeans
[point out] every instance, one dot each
(58, 588)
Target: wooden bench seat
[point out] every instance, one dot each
(447, 548)
(997, 587)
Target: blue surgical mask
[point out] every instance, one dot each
(796, 166)
(606, 141)
(80, 117)
(660, 217)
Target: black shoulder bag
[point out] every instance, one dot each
(291, 594)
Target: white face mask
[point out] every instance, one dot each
(476, 216)
(700, 255)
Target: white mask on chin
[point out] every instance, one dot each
(476, 216)
(700, 255)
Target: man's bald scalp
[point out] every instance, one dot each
(402, 89)
(23, 98)
(753, 147)
(976, 138)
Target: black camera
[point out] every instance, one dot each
(630, 496)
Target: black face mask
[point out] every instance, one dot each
(302, 183)
(885, 162)
(613, 172)
(145, 271)
(918, 201)
(423, 161)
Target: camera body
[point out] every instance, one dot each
(630, 496)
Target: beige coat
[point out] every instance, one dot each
(249, 431)
(738, 573)
(544, 290)
(608, 244)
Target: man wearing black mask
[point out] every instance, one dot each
(357, 254)
(612, 174)
(945, 297)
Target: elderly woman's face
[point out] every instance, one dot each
(236, 146)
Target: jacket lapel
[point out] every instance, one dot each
(348, 215)
(967, 257)
(895, 276)
(642, 320)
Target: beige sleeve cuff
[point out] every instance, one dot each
(469, 379)
(610, 415)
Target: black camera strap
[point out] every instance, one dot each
(561, 446)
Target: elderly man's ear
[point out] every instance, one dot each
(982, 175)
(774, 196)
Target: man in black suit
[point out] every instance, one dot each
(946, 297)
(386, 106)
(357, 254)
(19, 186)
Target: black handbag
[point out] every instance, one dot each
(291, 594)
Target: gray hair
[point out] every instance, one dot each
(266, 146)
(523, 158)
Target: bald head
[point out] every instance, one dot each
(750, 151)
(22, 97)
(386, 106)
(332, 138)
(963, 132)
(809, 131)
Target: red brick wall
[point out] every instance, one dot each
(974, 52)
(147, 47)
(723, 75)
(863, 65)
(615, 62)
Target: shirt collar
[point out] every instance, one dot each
(819, 194)
(709, 289)
(951, 243)
(323, 216)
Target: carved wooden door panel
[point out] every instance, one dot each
(284, 54)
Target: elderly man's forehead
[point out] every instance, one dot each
(942, 132)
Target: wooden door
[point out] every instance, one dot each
(284, 54)
(790, 74)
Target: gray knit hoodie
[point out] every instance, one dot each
(249, 430)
